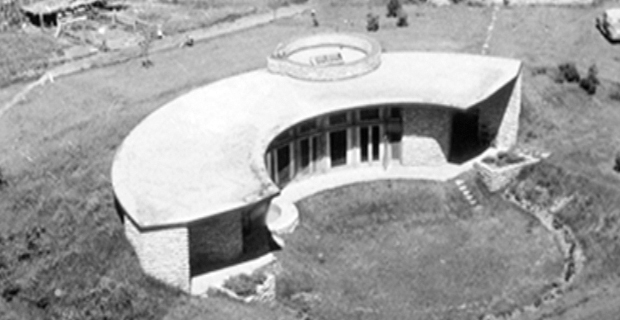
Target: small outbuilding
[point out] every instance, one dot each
(47, 13)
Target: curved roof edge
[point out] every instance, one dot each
(202, 154)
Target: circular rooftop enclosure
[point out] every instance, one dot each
(326, 57)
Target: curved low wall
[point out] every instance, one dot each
(280, 62)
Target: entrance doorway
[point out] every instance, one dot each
(465, 143)
(338, 147)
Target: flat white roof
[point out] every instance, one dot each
(202, 154)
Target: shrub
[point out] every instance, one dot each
(617, 162)
(393, 8)
(3, 180)
(590, 82)
(569, 72)
(11, 16)
(503, 159)
(402, 19)
(372, 22)
(288, 285)
(245, 285)
(536, 71)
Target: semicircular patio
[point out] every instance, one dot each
(195, 174)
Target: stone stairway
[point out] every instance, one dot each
(471, 199)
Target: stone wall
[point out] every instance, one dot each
(496, 178)
(499, 116)
(215, 240)
(163, 253)
(508, 130)
(426, 135)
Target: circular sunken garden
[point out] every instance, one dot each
(413, 250)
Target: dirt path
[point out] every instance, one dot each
(168, 43)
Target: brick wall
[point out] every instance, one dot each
(163, 254)
(426, 135)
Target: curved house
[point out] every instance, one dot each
(194, 181)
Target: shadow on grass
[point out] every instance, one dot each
(257, 243)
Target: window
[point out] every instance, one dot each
(370, 142)
(304, 155)
(282, 138)
(376, 142)
(338, 147)
(338, 119)
(307, 127)
(369, 114)
(283, 161)
(395, 113)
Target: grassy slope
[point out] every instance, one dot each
(73, 127)
(402, 249)
(24, 55)
(58, 145)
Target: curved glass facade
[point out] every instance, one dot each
(368, 136)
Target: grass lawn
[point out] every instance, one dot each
(23, 56)
(412, 249)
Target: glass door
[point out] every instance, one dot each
(370, 143)
(338, 147)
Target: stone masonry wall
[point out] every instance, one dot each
(499, 116)
(509, 128)
(163, 253)
(215, 240)
(426, 135)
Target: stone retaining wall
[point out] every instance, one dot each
(495, 178)
(426, 136)
(499, 116)
(152, 245)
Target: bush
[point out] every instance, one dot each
(503, 159)
(245, 285)
(590, 82)
(11, 16)
(402, 19)
(393, 8)
(589, 85)
(536, 71)
(3, 180)
(372, 22)
(569, 72)
(617, 162)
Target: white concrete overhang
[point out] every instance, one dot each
(203, 153)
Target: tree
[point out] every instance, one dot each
(393, 8)
(372, 22)
(402, 19)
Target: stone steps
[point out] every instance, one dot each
(467, 194)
